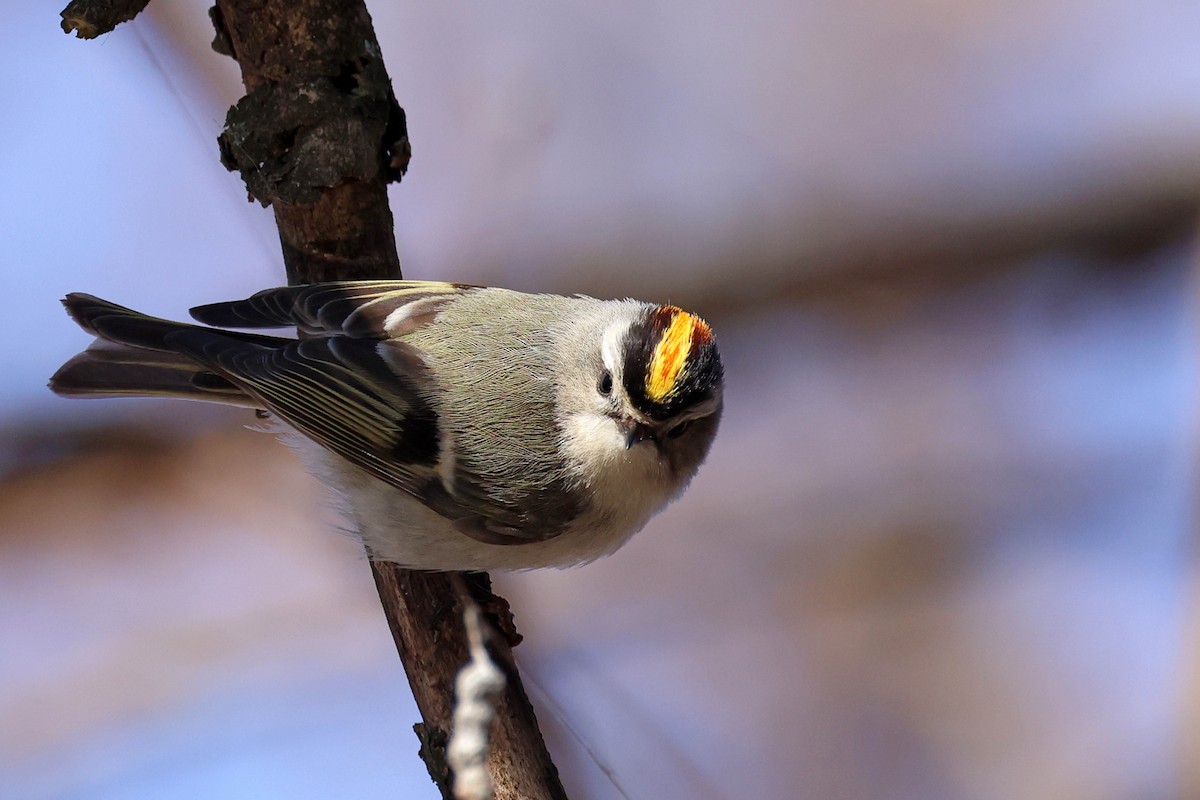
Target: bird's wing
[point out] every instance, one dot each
(359, 309)
(365, 400)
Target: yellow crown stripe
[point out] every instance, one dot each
(671, 354)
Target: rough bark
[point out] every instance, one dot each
(91, 18)
(317, 137)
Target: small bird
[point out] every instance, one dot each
(461, 427)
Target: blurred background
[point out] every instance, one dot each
(943, 547)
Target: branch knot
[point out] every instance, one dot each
(292, 140)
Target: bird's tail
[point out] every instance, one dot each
(132, 357)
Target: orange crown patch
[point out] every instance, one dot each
(672, 351)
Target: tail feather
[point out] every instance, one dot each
(107, 369)
(117, 323)
(133, 356)
(126, 326)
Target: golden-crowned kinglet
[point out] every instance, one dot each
(465, 427)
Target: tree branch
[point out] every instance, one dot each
(91, 18)
(317, 137)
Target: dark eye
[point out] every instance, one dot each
(604, 385)
(679, 430)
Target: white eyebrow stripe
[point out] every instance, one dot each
(610, 345)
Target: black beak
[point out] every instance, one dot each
(634, 432)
